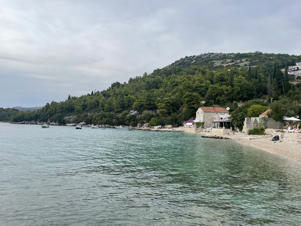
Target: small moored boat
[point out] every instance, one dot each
(45, 126)
(78, 127)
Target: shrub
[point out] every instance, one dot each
(199, 124)
(154, 121)
(256, 131)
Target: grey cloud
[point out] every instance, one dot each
(49, 49)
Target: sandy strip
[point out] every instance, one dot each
(289, 145)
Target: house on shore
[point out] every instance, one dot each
(263, 121)
(214, 117)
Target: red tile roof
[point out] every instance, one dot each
(214, 109)
(266, 113)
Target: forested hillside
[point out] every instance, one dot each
(172, 94)
(6, 114)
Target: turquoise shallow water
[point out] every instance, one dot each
(63, 176)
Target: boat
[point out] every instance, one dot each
(78, 127)
(94, 127)
(45, 126)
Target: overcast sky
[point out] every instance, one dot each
(49, 48)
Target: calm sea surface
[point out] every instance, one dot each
(63, 176)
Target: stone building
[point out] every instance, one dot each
(263, 121)
(208, 115)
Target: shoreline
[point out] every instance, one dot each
(289, 145)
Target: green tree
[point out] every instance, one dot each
(240, 113)
(256, 109)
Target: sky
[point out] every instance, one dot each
(50, 49)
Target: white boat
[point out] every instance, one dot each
(78, 127)
(45, 126)
(94, 127)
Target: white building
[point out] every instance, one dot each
(295, 70)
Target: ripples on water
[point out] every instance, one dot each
(63, 176)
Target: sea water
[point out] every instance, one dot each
(63, 176)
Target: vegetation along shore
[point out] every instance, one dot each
(247, 85)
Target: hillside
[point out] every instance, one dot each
(220, 60)
(172, 94)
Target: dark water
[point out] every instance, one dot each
(63, 176)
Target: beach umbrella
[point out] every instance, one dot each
(292, 119)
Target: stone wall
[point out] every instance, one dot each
(250, 123)
(272, 124)
(221, 131)
(255, 122)
(209, 117)
(199, 116)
